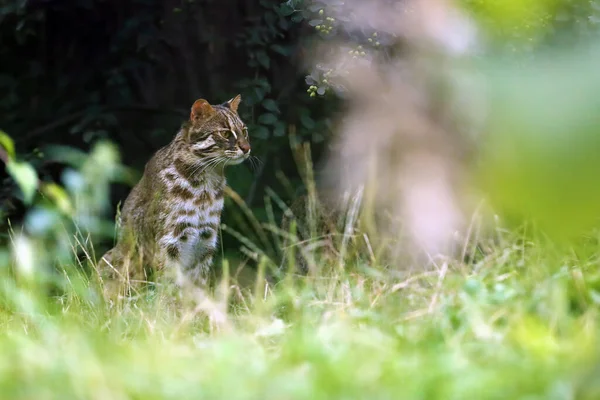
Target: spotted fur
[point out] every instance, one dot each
(172, 216)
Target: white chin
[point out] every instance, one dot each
(235, 161)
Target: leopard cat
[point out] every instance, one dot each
(170, 220)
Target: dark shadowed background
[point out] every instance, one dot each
(77, 71)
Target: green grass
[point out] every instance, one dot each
(520, 322)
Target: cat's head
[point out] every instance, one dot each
(216, 132)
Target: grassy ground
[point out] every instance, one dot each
(520, 322)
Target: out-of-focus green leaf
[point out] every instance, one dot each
(59, 197)
(541, 155)
(513, 19)
(283, 50)
(279, 129)
(260, 132)
(285, 9)
(25, 176)
(267, 119)
(270, 105)
(307, 121)
(8, 144)
(263, 59)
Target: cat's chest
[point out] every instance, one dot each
(195, 206)
(194, 199)
(196, 213)
(191, 216)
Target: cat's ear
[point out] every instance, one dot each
(201, 110)
(234, 103)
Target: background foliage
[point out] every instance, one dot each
(75, 73)
(78, 72)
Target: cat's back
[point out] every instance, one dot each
(143, 200)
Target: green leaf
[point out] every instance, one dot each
(259, 94)
(315, 22)
(270, 105)
(297, 17)
(59, 197)
(283, 50)
(279, 129)
(307, 121)
(260, 132)
(25, 176)
(267, 119)
(263, 83)
(263, 59)
(8, 144)
(285, 10)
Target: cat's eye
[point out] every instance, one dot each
(227, 134)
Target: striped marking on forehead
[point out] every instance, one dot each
(234, 123)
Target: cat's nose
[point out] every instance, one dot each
(245, 147)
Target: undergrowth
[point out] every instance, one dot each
(516, 320)
(517, 324)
